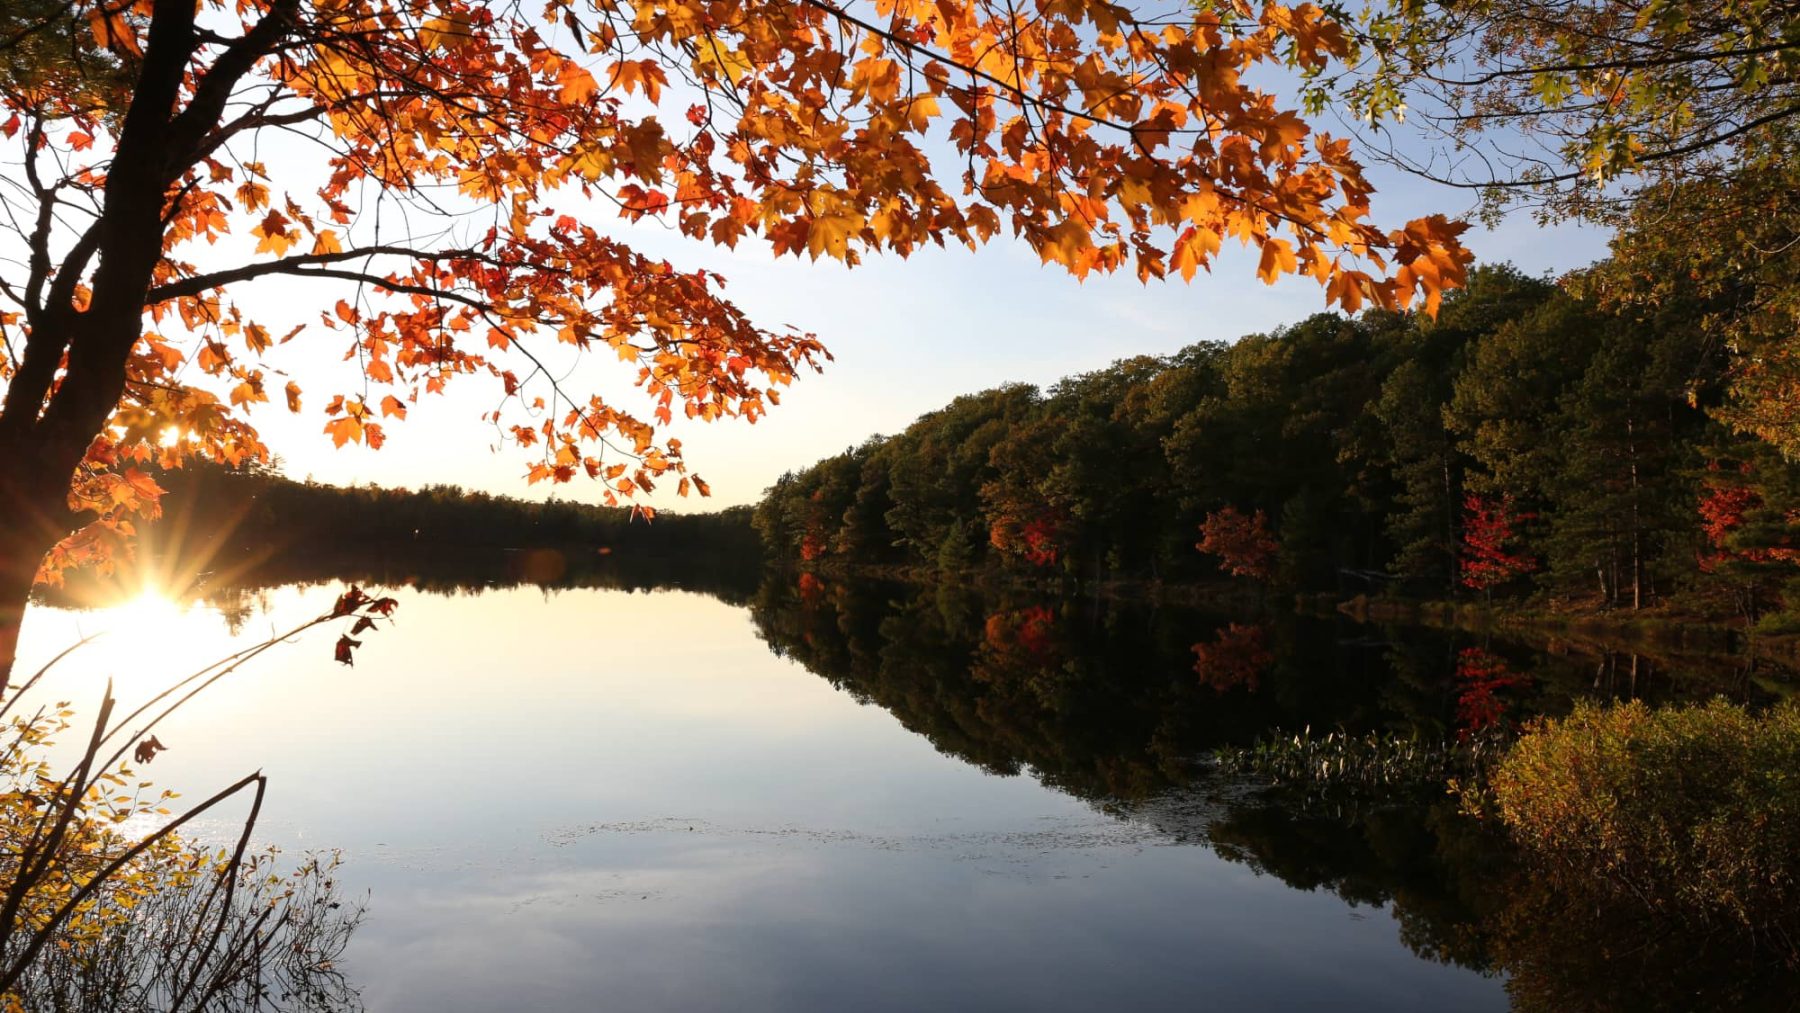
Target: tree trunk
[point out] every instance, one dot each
(47, 423)
(36, 518)
(1450, 541)
(15, 594)
(1637, 526)
(19, 560)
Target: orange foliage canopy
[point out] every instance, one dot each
(442, 165)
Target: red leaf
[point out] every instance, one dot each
(349, 602)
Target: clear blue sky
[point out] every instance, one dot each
(908, 336)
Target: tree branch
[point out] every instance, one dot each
(296, 265)
(190, 127)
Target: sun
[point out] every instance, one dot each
(148, 615)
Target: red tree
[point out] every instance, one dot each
(1028, 632)
(1488, 558)
(1243, 543)
(1728, 502)
(1037, 541)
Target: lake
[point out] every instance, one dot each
(802, 795)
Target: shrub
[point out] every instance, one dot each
(106, 905)
(1694, 810)
(93, 917)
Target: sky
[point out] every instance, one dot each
(907, 336)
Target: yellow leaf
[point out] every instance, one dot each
(277, 238)
(574, 84)
(921, 110)
(344, 430)
(830, 235)
(1277, 260)
(252, 196)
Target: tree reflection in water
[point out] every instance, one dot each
(1118, 704)
(1463, 896)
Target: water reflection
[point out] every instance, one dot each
(1098, 700)
(1115, 699)
(630, 797)
(1460, 896)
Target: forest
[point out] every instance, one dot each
(1558, 442)
(261, 508)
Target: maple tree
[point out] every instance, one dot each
(438, 162)
(1488, 536)
(1037, 541)
(1241, 541)
(1032, 631)
(1723, 509)
(1748, 528)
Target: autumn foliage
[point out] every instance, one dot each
(1489, 555)
(1242, 542)
(1029, 632)
(1689, 809)
(1728, 503)
(1037, 541)
(1722, 511)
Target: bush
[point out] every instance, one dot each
(1694, 810)
(105, 905)
(1778, 624)
(96, 918)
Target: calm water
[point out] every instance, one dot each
(829, 798)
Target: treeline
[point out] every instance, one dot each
(1535, 438)
(260, 510)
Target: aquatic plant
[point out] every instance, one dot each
(1372, 762)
